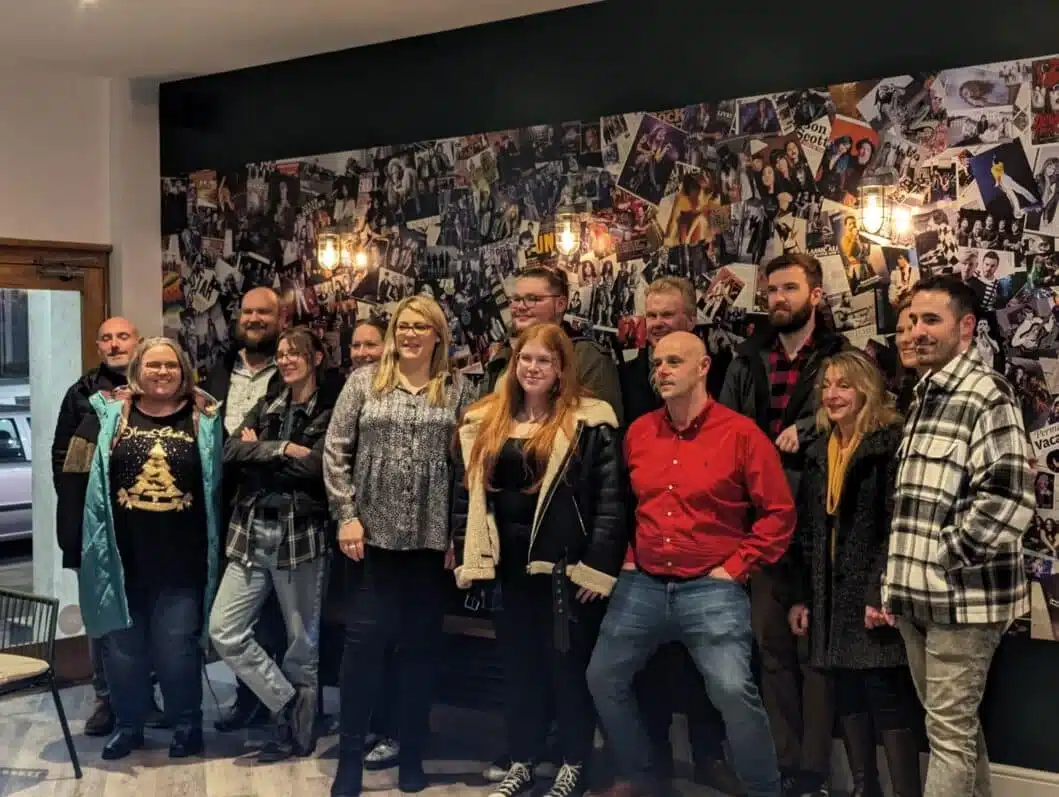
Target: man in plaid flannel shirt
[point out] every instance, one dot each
(964, 497)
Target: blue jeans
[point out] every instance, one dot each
(711, 618)
(166, 631)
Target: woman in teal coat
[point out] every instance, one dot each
(140, 499)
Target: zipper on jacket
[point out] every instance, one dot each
(555, 486)
(577, 509)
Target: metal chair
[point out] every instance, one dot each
(27, 651)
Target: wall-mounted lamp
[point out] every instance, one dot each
(337, 246)
(877, 203)
(567, 232)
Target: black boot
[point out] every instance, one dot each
(349, 779)
(902, 759)
(858, 737)
(247, 712)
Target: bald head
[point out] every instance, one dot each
(680, 366)
(260, 320)
(116, 340)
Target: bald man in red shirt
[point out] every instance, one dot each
(712, 505)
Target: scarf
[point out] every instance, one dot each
(838, 457)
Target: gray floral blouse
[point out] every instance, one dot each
(386, 461)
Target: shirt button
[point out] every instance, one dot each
(669, 564)
(671, 487)
(675, 462)
(669, 514)
(667, 539)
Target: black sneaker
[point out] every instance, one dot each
(519, 780)
(282, 744)
(569, 782)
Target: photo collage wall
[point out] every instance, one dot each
(710, 192)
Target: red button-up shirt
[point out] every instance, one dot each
(713, 494)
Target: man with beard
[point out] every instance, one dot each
(242, 378)
(116, 340)
(771, 380)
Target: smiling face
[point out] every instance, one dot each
(906, 342)
(366, 346)
(534, 301)
(840, 398)
(415, 337)
(295, 366)
(160, 373)
(537, 369)
(939, 334)
(259, 320)
(664, 312)
(116, 341)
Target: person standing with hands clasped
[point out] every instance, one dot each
(539, 508)
(844, 510)
(387, 472)
(954, 579)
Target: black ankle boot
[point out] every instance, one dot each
(858, 737)
(349, 779)
(902, 759)
(411, 778)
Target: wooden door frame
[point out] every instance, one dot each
(21, 260)
(87, 271)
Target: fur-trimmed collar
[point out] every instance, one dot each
(204, 402)
(590, 411)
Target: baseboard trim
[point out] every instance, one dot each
(1008, 781)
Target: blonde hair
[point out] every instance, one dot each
(386, 377)
(675, 285)
(877, 410)
(187, 373)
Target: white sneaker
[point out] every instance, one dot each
(568, 782)
(518, 780)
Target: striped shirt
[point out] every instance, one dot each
(963, 500)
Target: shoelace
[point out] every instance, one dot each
(517, 778)
(566, 782)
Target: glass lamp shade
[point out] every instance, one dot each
(567, 233)
(328, 250)
(875, 209)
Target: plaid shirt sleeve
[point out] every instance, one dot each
(1001, 486)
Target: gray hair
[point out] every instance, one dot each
(187, 373)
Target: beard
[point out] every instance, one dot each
(266, 345)
(798, 319)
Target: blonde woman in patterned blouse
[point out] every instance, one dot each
(387, 473)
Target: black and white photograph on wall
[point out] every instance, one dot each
(752, 230)
(808, 105)
(864, 262)
(902, 268)
(1030, 326)
(758, 115)
(654, 154)
(883, 103)
(943, 183)
(1005, 180)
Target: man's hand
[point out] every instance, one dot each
(248, 436)
(787, 442)
(798, 617)
(721, 573)
(876, 618)
(296, 451)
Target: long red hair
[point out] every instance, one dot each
(501, 406)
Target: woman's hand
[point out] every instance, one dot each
(876, 618)
(585, 595)
(798, 617)
(450, 558)
(248, 436)
(296, 451)
(351, 539)
(787, 442)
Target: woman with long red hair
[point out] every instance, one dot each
(538, 508)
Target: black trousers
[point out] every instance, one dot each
(886, 693)
(669, 684)
(533, 667)
(398, 604)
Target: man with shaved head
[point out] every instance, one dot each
(244, 376)
(712, 506)
(116, 339)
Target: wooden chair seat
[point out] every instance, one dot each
(19, 668)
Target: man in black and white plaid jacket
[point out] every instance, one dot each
(964, 497)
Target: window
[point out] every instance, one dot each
(10, 443)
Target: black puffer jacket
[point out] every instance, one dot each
(74, 408)
(580, 509)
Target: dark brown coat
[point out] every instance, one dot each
(837, 595)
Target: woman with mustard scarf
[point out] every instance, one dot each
(844, 511)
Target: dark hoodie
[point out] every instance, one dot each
(75, 407)
(596, 370)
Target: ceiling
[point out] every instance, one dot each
(167, 39)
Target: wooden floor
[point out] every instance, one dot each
(34, 761)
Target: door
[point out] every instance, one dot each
(53, 297)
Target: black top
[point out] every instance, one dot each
(157, 495)
(513, 508)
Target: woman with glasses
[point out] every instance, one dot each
(278, 541)
(387, 473)
(539, 509)
(142, 479)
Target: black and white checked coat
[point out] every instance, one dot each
(963, 500)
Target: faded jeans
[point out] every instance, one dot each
(949, 665)
(711, 618)
(240, 598)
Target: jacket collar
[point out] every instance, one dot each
(954, 372)
(881, 441)
(825, 340)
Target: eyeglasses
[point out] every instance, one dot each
(531, 299)
(289, 355)
(529, 361)
(157, 367)
(418, 329)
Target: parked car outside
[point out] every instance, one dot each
(16, 477)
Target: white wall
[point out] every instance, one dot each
(79, 162)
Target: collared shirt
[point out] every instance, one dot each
(247, 388)
(963, 500)
(784, 372)
(713, 494)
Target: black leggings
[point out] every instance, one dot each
(886, 693)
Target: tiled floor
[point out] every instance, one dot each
(34, 761)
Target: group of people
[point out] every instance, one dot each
(765, 561)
